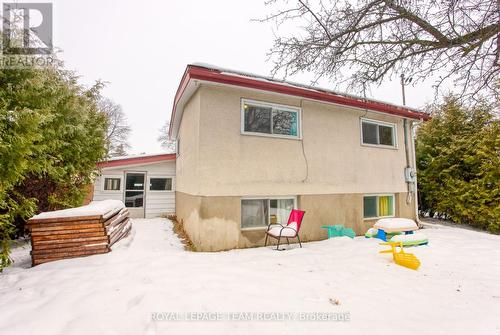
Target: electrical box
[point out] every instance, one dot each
(410, 175)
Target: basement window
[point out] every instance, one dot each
(266, 119)
(378, 133)
(378, 206)
(258, 213)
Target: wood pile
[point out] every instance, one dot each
(77, 232)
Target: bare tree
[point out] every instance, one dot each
(363, 41)
(117, 131)
(165, 141)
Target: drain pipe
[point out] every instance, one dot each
(408, 176)
(413, 128)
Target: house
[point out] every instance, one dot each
(251, 148)
(145, 183)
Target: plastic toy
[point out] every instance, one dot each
(401, 257)
(339, 230)
(389, 226)
(411, 239)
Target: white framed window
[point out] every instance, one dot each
(258, 212)
(111, 183)
(378, 206)
(378, 133)
(161, 184)
(268, 119)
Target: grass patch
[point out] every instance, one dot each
(178, 228)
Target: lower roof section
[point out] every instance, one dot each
(136, 159)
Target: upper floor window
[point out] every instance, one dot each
(259, 118)
(378, 133)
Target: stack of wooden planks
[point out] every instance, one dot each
(77, 232)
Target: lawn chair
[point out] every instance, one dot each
(291, 230)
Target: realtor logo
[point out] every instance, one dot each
(27, 28)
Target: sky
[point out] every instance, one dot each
(141, 48)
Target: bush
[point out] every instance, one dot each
(51, 136)
(458, 162)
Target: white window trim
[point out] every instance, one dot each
(297, 110)
(394, 126)
(393, 195)
(294, 198)
(116, 176)
(161, 176)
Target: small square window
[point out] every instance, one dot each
(112, 184)
(376, 206)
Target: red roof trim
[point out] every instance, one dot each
(137, 160)
(213, 75)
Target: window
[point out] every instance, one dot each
(377, 206)
(160, 184)
(258, 213)
(112, 184)
(378, 133)
(270, 119)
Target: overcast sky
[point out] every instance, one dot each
(141, 49)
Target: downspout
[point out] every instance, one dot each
(413, 126)
(409, 173)
(407, 168)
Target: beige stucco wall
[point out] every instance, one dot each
(213, 222)
(187, 161)
(231, 164)
(217, 166)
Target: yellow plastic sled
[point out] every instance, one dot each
(401, 257)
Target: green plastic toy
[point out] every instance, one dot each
(339, 230)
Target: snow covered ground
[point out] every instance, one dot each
(149, 278)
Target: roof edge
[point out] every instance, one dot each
(210, 73)
(136, 160)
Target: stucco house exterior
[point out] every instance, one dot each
(251, 148)
(145, 183)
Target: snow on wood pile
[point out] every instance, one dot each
(76, 232)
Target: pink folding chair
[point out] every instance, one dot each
(291, 230)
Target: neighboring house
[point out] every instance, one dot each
(146, 183)
(251, 148)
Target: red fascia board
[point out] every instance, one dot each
(200, 73)
(180, 90)
(137, 160)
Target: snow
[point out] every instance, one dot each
(95, 208)
(391, 225)
(286, 231)
(455, 291)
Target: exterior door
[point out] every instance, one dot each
(135, 199)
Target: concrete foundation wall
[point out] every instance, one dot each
(213, 222)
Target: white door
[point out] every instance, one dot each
(135, 196)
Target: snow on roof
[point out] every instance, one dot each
(95, 208)
(293, 84)
(117, 158)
